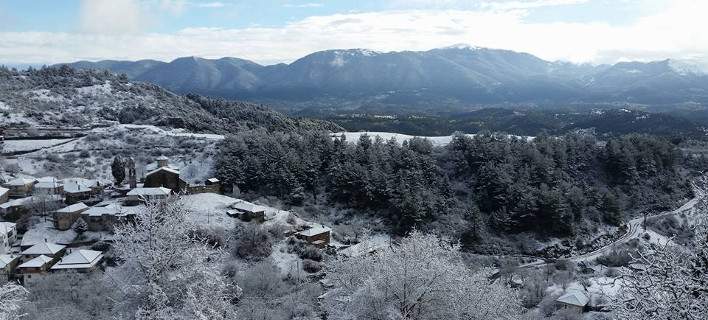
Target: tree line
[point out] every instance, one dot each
(548, 186)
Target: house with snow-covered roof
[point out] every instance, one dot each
(45, 248)
(575, 300)
(104, 218)
(317, 235)
(65, 217)
(47, 186)
(20, 187)
(4, 195)
(8, 236)
(80, 189)
(247, 211)
(139, 195)
(8, 263)
(80, 261)
(34, 269)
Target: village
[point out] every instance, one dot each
(51, 226)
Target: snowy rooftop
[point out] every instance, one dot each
(15, 203)
(161, 191)
(112, 209)
(6, 259)
(77, 185)
(44, 248)
(28, 200)
(3, 191)
(5, 227)
(575, 298)
(37, 262)
(247, 206)
(315, 230)
(150, 167)
(79, 259)
(20, 182)
(73, 208)
(168, 169)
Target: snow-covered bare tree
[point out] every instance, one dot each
(11, 298)
(421, 278)
(167, 272)
(672, 280)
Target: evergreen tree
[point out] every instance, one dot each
(118, 169)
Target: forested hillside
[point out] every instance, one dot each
(475, 188)
(66, 97)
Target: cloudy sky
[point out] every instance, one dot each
(269, 31)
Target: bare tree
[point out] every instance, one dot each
(422, 278)
(671, 281)
(11, 298)
(166, 271)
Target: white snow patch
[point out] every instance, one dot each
(28, 145)
(437, 141)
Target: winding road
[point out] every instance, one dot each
(634, 229)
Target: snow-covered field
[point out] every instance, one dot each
(29, 145)
(90, 156)
(437, 141)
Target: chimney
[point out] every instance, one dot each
(161, 161)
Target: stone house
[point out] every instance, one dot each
(317, 235)
(8, 263)
(104, 218)
(20, 187)
(48, 186)
(574, 300)
(139, 195)
(8, 236)
(247, 211)
(65, 217)
(79, 261)
(4, 195)
(33, 270)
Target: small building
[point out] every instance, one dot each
(65, 217)
(79, 261)
(165, 177)
(8, 263)
(8, 236)
(48, 186)
(247, 211)
(82, 190)
(104, 218)
(40, 204)
(34, 269)
(14, 208)
(4, 195)
(20, 187)
(47, 249)
(139, 195)
(574, 300)
(317, 235)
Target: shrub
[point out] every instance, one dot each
(311, 266)
(615, 258)
(252, 242)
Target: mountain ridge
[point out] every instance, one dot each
(463, 76)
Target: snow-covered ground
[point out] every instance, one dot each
(29, 145)
(435, 140)
(91, 155)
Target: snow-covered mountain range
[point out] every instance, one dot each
(459, 75)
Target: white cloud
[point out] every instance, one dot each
(303, 5)
(676, 32)
(111, 16)
(210, 4)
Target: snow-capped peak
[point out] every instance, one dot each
(688, 67)
(462, 46)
